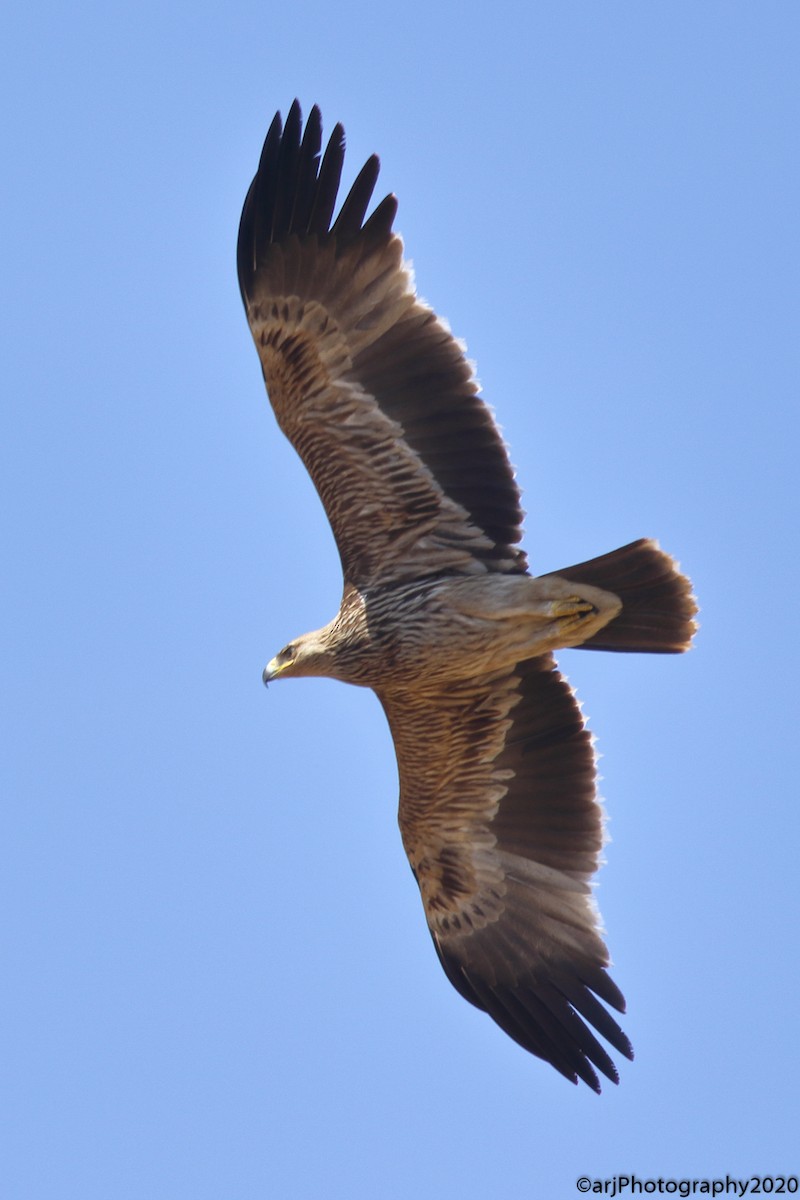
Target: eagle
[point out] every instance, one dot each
(440, 615)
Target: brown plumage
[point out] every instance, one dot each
(498, 809)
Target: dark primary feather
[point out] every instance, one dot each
(309, 157)
(348, 224)
(286, 176)
(323, 196)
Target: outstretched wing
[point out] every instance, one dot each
(503, 830)
(366, 382)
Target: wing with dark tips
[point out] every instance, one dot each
(503, 830)
(370, 386)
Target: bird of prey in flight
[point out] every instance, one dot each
(439, 613)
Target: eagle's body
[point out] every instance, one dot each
(439, 615)
(440, 631)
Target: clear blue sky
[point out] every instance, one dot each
(217, 981)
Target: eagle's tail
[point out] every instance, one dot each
(658, 607)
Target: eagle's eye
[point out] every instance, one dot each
(288, 652)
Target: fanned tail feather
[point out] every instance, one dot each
(658, 607)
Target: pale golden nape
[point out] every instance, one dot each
(439, 615)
